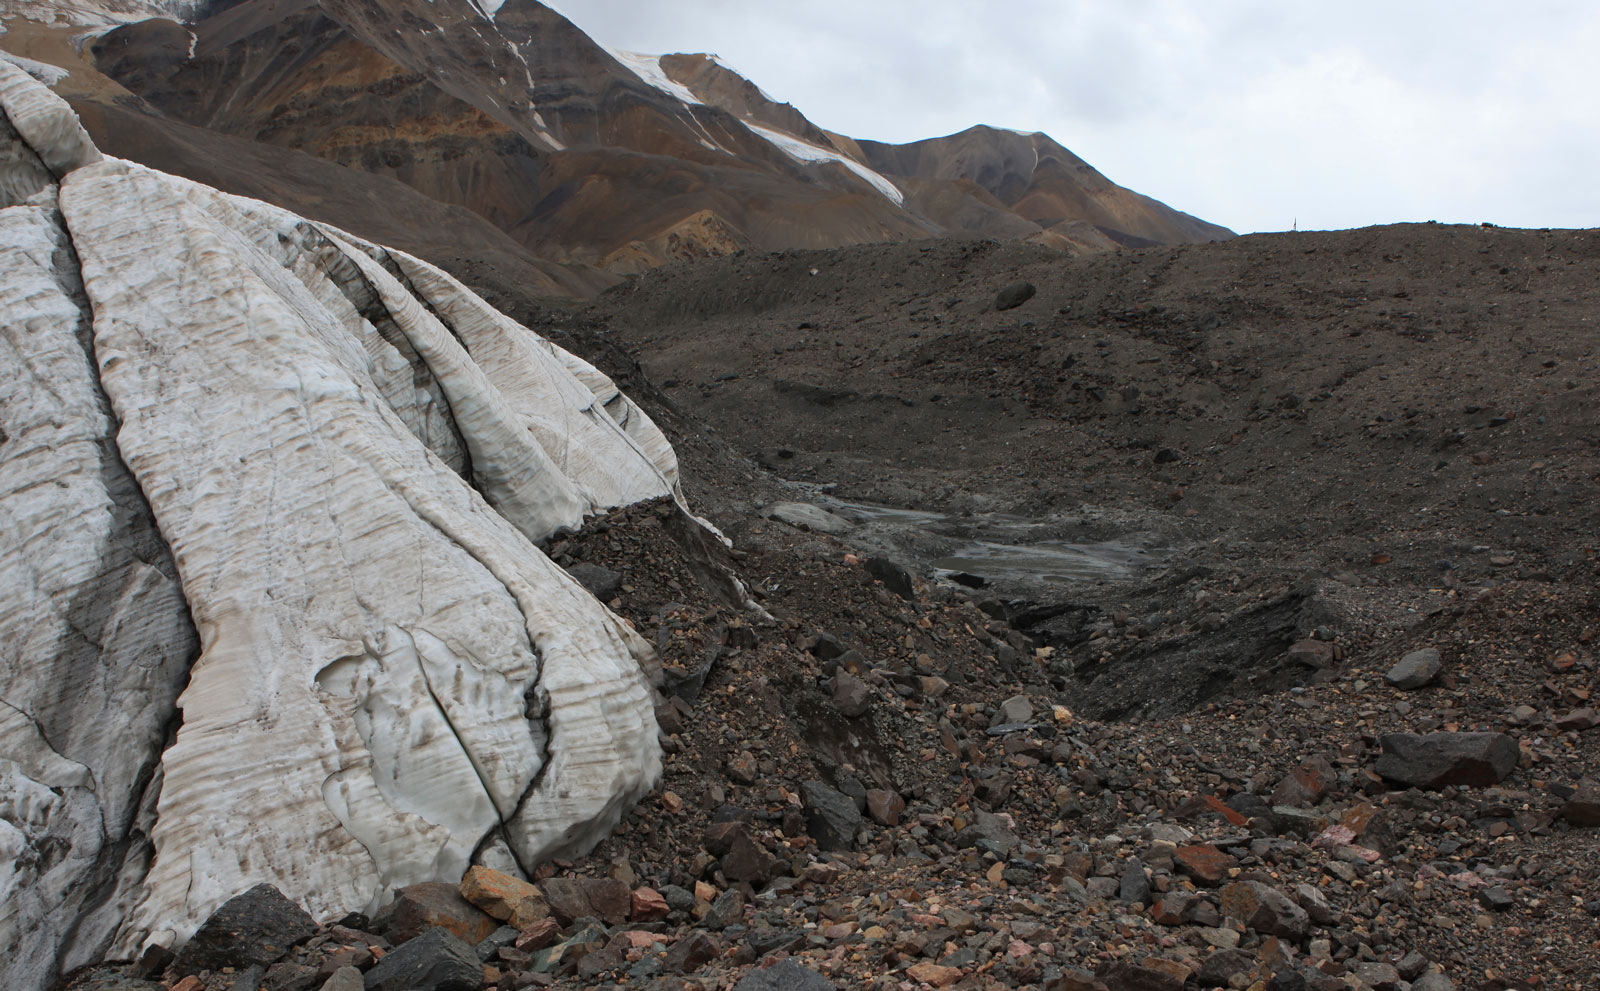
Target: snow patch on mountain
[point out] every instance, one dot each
(805, 151)
(648, 68)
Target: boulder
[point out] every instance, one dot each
(602, 583)
(435, 961)
(851, 696)
(785, 975)
(418, 908)
(1014, 295)
(1435, 760)
(691, 953)
(1583, 808)
(252, 929)
(502, 896)
(1415, 670)
(885, 806)
(1204, 863)
(894, 576)
(832, 817)
(1265, 909)
(1304, 786)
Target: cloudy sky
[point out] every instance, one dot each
(1256, 114)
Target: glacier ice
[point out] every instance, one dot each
(275, 609)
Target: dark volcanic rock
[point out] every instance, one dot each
(568, 899)
(1135, 885)
(1218, 969)
(1583, 808)
(691, 953)
(786, 975)
(1141, 975)
(893, 575)
(437, 960)
(252, 929)
(1435, 760)
(602, 583)
(832, 817)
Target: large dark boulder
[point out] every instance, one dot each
(1435, 760)
(249, 930)
(786, 975)
(438, 960)
(832, 818)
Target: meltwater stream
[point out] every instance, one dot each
(997, 547)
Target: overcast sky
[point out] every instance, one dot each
(1250, 113)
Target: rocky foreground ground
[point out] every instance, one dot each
(879, 788)
(1343, 734)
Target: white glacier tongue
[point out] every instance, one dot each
(349, 456)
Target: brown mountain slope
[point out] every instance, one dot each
(1041, 182)
(591, 156)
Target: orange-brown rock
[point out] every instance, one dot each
(649, 905)
(504, 897)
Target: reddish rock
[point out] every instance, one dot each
(419, 907)
(1170, 910)
(545, 932)
(649, 905)
(612, 899)
(1203, 862)
(567, 900)
(1305, 785)
(1234, 816)
(885, 806)
(1578, 719)
(1149, 974)
(933, 975)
